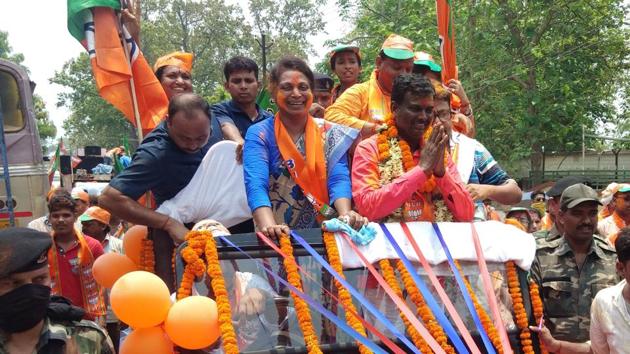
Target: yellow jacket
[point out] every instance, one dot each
(361, 103)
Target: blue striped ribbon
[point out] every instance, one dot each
(465, 294)
(317, 306)
(428, 296)
(367, 304)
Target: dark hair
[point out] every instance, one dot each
(289, 63)
(159, 72)
(535, 193)
(538, 212)
(239, 63)
(334, 58)
(187, 103)
(414, 84)
(622, 245)
(60, 201)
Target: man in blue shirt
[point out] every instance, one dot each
(239, 113)
(164, 164)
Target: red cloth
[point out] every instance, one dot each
(68, 263)
(376, 202)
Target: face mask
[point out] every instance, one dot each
(540, 206)
(23, 307)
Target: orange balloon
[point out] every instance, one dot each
(111, 266)
(140, 299)
(147, 340)
(193, 323)
(132, 242)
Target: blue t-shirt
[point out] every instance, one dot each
(230, 112)
(159, 166)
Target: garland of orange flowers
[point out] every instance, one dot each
(390, 277)
(230, 345)
(422, 309)
(514, 287)
(301, 308)
(201, 243)
(537, 307)
(486, 321)
(344, 295)
(388, 139)
(147, 257)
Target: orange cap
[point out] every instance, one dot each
(181, 60)
(78, 193)
(95, 213)
(398, 47)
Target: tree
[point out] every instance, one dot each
(46, 128)
(93, 121)
(535, 71)
(210, 29)
(287, 25)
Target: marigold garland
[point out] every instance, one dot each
(486, 321)
(390, 277)
(230, 344)
(395, 158)
(537, 307)
(147, 257)
(344, 295)
(301, 308)
(514, 287)
(202, 243)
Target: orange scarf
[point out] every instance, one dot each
(310, 173)
(93, 299)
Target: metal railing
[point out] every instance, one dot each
(599, 179)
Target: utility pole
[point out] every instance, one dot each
(583, 148)
(264, 47)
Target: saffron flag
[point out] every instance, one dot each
(95, 25)
(447, 39)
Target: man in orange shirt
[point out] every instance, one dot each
(365, 106)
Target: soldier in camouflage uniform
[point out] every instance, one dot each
(553, 205)
(30, 320)
(571, 269)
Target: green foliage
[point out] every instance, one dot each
(6, 52)
(535, 71)
(93, 121)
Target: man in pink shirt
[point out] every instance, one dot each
(71, 258)
(404, 173)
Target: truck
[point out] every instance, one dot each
(24, 183)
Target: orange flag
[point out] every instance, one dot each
(446, 32)
(113, 73)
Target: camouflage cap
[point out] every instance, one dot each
(577, 194)
(23, 250)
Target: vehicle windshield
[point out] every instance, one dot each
(11, 104)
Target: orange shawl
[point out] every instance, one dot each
(93, 299)
(310, 173)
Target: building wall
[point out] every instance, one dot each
(592, 161)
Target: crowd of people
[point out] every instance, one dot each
(398, 147)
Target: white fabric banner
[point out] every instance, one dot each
(499, 242)
(216, 191)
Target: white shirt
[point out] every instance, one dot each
(610, 321)
(607, 228)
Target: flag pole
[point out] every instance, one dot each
(134, 98)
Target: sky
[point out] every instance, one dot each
(47, 45)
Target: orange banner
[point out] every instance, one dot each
(446, 32)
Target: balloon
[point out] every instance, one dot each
(111, 266)
(193, 322)
(132, 242)
(140, 299)
(147, 340)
